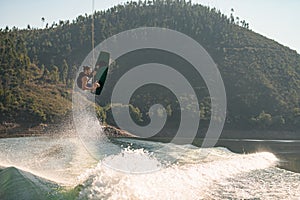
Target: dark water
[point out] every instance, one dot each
(288, 151)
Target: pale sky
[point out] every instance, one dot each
(276, 19)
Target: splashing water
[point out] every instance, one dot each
(132, 161)
(184, 180)
(59, 159)
(220, 175)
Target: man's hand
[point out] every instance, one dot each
(96, 85)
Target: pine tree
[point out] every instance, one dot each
(64, 71)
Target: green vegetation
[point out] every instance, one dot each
(262, 77)
(28, 93)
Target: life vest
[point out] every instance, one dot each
(79, 79)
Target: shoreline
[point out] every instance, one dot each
(17, 130)
(12, 130)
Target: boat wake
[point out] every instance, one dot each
(218, 175)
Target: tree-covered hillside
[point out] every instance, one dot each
(262, 77)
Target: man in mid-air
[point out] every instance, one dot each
(84, 77)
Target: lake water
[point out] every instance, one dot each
(288, 151)
(170, 171)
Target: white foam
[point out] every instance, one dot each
(133, 161)
(188, 181)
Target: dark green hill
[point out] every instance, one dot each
(28, 92)
(262, 77)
